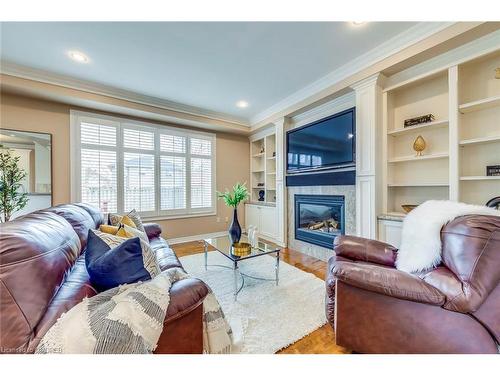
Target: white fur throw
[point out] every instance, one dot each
(421, 237)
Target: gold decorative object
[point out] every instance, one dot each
(497, 73)
(241, 249)
(408, 207)
(419, 145)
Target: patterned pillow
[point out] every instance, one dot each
(131, 232)
(113, 260)
(115, 219)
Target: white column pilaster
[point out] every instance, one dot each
(281, 194)
(368, 154)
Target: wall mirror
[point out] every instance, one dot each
(34, 153)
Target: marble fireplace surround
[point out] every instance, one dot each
(348, 191)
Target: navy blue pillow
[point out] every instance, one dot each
(109, 266)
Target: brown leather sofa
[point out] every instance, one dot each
(43, 275)
(453, 308)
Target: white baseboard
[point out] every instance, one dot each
(198, 237)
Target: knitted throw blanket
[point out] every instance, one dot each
(129, 319)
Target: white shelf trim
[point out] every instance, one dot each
(418, 158)
(472, 141)
(479, 178)
(419, 184)
(433, 124)
(478, 105)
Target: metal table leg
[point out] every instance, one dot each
(277, 267)
(206, 254)
(235, 271)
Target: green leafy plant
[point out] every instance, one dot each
(234, 198)
(11, 177)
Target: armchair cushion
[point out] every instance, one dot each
(366, 250)
(388, 281)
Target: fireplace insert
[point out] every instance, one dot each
(319, 218)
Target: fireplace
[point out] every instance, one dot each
(319, 218)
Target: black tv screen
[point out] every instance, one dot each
(327, 143)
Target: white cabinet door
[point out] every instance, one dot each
(252, 216)
(390, 232)
(268, 222)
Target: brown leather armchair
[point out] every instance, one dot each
(453, 308)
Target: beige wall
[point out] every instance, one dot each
(23, 113)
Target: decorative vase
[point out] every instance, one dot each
(419, 145)
(235, 229)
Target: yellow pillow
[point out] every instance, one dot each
(122, 232)
(127, 221)
(126, 231)
(109, 229)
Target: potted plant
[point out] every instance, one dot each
(11, 177)
(233, 199)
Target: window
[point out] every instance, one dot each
(119, 165)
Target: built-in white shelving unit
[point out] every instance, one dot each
(463, 139)
(478, 128)
(412, 179)
(263, 168)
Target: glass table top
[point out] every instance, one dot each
(224, 246)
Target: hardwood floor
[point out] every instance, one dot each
(320, 341)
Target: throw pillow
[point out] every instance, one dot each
(131, 232)
(110, 229)
(113, 260)
(132, 219)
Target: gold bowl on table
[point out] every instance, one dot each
(408, 207)
(240, 249)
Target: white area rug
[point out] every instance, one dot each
(266, 317)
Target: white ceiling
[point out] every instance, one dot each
(209, 66)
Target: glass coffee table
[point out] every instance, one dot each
(223, 245)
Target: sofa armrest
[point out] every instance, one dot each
(387, 281)
(183, 326)
(366, 250)
(152, 230)
(185, 296)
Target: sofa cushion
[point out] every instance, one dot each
(36, 253)
(471, 250)
(78, 217)
(113, 260)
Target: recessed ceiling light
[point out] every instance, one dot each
(241, 104)
(358, 23)
(78, 57)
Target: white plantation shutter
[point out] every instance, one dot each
(157, 170)
(201, 173)
(201, 183)
(139, 170)
(98, 166)
(173, 182)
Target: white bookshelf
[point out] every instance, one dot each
(463, 139)
(478, 128)
(408, 178)
(263, 168)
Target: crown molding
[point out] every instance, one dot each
(466, 52)
(43, 76)
(393, 45)
(368, 81)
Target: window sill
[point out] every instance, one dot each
(149, 219)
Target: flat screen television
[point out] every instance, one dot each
(324, 144)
